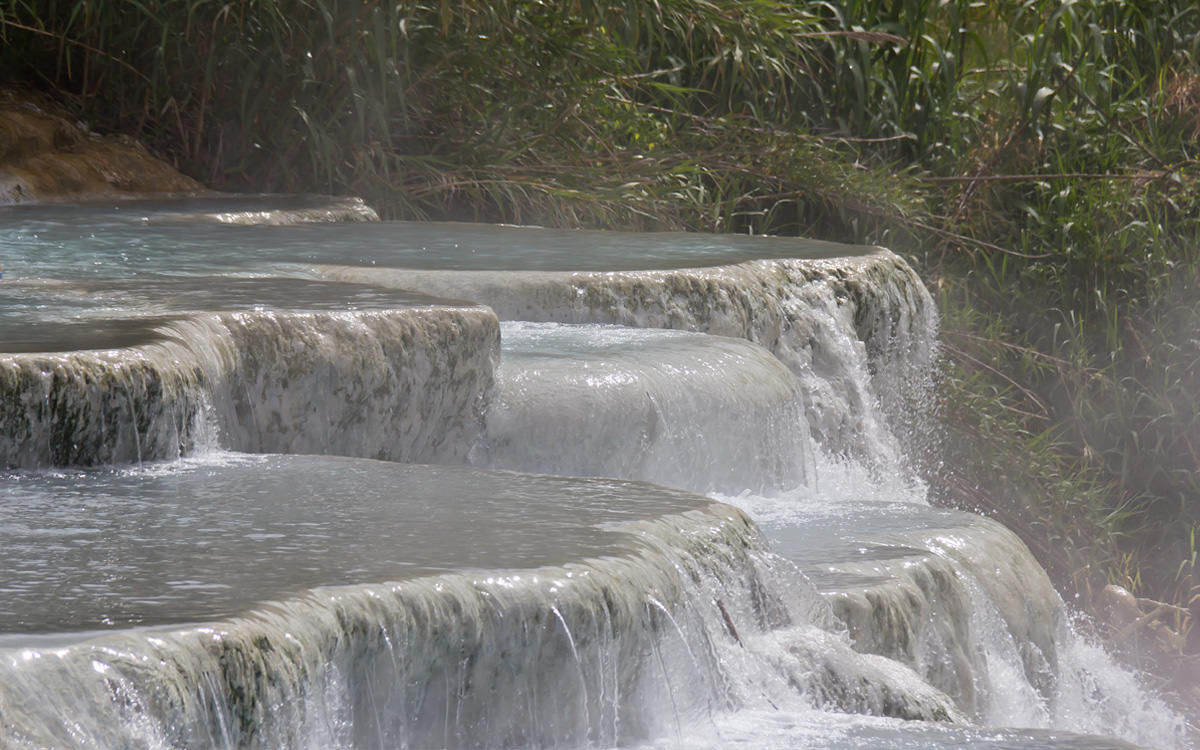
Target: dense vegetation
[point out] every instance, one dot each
(1036, 158)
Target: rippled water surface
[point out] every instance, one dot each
(208, 538)
(97, 563)
(146, 237)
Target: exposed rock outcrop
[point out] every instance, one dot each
(44, 156)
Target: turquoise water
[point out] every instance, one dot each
(215, 536)
(104, 260)
(140, 238)
(112, 313)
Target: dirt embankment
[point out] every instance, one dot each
(44, 156)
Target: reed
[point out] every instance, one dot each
(599, 113)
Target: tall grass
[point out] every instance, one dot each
(1088, 180)
(583, 112)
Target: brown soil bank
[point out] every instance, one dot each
(46, 157)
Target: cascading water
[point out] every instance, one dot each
(687, 410)
(277, 365)
(163, 592)
(831, 321)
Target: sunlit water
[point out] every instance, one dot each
(773, 730)
(687, 410)
(211, 537)
(958, 598)
(228, 599)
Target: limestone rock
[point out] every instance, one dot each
(46, 157)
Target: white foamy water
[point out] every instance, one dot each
(263, 365)
(601, 612)
(683, 409)
(175, 594)
(960, 600)
(775, 730)
(833, 322)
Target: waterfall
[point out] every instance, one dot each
(687, 410)
(395, 384)
(674, 504)
(687, 616)
(960, 600)
(833, 322)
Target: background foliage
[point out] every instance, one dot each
(1037, 158)
(579, 112)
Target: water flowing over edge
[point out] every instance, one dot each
(858, 331)
(693, 411)
(405, 385)
(686, 626)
